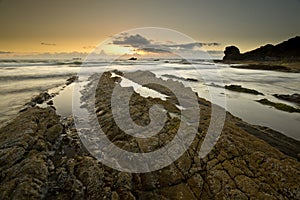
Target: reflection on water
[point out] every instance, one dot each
(63, 101)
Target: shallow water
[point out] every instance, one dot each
(21, 80)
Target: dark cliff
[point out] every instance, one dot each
(289, 49)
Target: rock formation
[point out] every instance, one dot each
(295, 98)
(289, 49)
(232, 53)
(42, 157)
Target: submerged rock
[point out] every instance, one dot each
(295, 98)
(279, 106)
(239, 88)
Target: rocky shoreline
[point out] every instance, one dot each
(42, 157)
(45, 97)
(279, 65)
(283, 57)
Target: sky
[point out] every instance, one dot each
(65, 26)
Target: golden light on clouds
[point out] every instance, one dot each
(116, 50)
(140, 52)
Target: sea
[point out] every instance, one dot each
(20, 80)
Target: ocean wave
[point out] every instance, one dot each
(27, 77)
(27, 64)
(23, 90)
(17, 63)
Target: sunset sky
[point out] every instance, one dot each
(55, 26)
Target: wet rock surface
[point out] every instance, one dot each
(180, 78)
(239, 88)
(42, 157)
(295, 98)
(279, 106)
(39, 99)
(71, 80)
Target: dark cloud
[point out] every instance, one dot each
(132, 40)
(215, 52)
(211, 44)
(154, 50)
(185, 46)
(139, 42)
(5, 52)
(48, 44)
(193, 45)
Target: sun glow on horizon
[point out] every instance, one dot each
(117, 50)
(140, 52)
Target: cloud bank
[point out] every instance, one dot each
(141, 43)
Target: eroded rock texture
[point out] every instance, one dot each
(43, 157)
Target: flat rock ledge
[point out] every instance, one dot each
(42, 157)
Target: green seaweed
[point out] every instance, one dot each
(239, 88)
(279, 106)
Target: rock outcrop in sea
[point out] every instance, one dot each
(42, 157)
(295, 98)
(232, 53)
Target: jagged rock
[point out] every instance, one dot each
(53, 132)
(71, 80)
(39, 99)
(50, 102)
